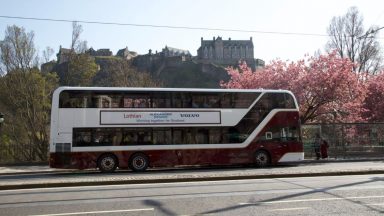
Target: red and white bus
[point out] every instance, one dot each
(137, 128)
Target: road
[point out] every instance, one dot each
(335, 195)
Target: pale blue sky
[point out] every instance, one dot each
(293, 16)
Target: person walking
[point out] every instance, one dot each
(324, 149)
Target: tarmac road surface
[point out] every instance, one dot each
(322, 195)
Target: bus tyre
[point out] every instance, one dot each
(262, 159)
(107, 163)
(138, 162)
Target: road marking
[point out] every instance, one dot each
(288, 209)
(310, 200)
(97, 212)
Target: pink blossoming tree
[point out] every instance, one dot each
(326, 87)
(374, 102)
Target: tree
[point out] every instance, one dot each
(17, 50)
(374, 103)
(25, 96)
(348, 37)
(325, 86)
(120, 73)
(47, 53)
(81, 69)
(77, 45)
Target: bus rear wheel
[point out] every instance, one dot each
(107, 163)
(138, 162)
(262, 159)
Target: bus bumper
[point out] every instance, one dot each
(71, 161)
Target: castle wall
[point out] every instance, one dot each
(226, 52)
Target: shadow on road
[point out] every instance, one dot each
(313, 190)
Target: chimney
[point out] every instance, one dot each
(213, 38)
(229, 38)
(251, 38)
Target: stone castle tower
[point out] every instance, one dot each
(226, 52)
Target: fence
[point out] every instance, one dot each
(346, 140)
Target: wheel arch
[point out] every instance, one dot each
(131, 157)
(263, 150)
(107, 154)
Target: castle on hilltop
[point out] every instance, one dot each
(64, 53)
(217, 52)
(228, 52)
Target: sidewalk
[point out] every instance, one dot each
(43, 176)
(25, 169)
(30, 169)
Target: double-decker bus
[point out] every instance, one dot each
(137, 128)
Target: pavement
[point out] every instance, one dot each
(38, 176)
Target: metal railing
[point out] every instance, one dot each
(346, 141)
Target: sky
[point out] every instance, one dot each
(255, 16)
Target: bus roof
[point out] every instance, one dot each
(62, 88)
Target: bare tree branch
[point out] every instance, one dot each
(77, 45)
(350, 40)
(47, 53)
(17, 50)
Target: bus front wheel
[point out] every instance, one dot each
(262, 159)
(107, 163)
(138, 162)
